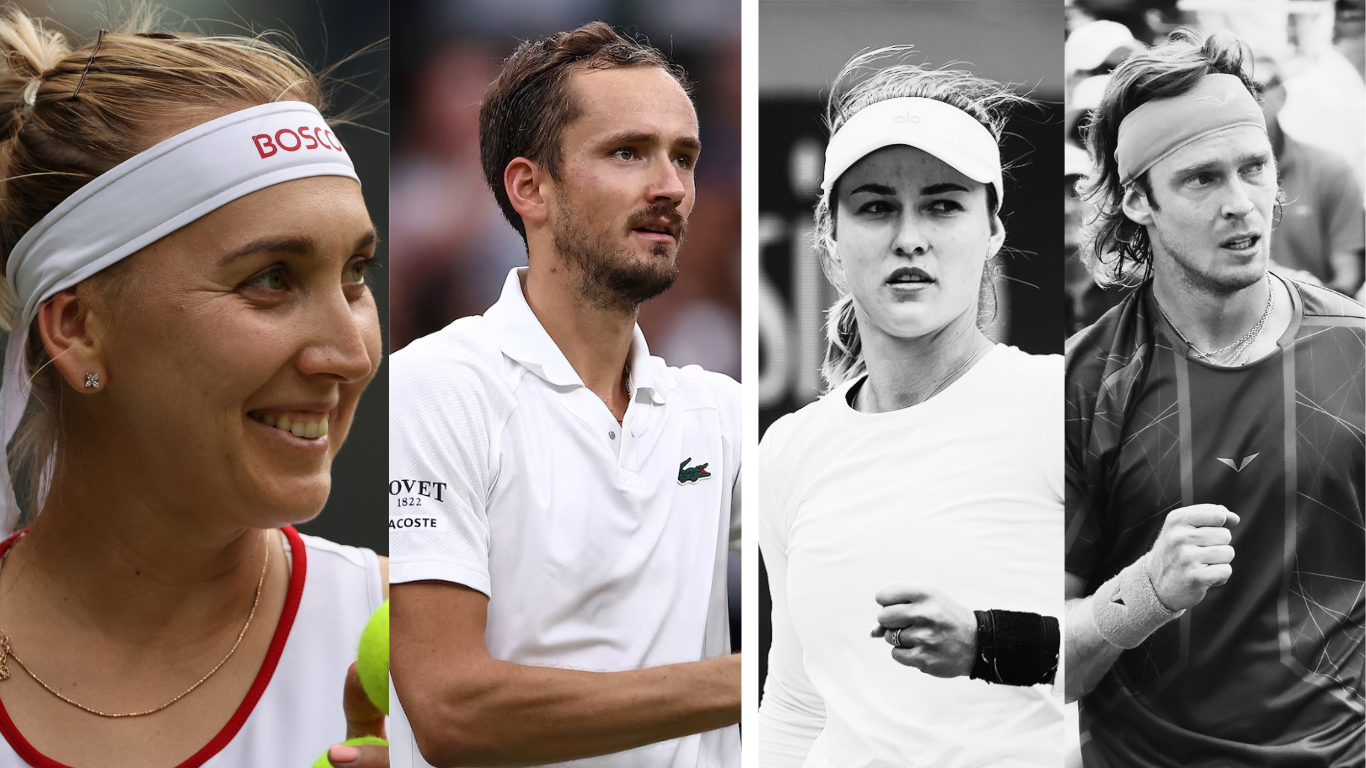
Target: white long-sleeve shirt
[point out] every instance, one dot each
(963, 493)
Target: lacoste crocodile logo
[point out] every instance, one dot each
(1240, 466)
(687, 474)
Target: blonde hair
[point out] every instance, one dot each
(69, 114)
(987, 101)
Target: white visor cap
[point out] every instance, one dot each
(944, 131)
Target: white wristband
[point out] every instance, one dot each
(1126, 608)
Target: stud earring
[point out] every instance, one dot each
(92, 380)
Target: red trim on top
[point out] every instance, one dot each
(239, 718)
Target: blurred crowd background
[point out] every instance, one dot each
(1308, 65)
(451, 249)
(351, 35)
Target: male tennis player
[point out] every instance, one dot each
(562, 502)
(1217, 410)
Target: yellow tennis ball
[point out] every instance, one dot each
(363, 741)
(372, 660)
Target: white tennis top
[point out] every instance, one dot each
(292, 713)
(602, 546)
(964, 493)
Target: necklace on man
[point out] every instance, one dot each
(7, 653)
(1240, 347)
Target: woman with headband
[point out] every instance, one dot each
(185, 248)
(925, 483)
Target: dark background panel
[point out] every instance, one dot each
(792, 334)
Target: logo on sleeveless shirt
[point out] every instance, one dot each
(687, 474)
(1240, 466)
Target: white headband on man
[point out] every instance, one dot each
(1160, 127)
(140, 201)
(944, 131)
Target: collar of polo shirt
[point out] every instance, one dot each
(519, 333)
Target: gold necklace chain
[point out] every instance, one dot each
(6, 652)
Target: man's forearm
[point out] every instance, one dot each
(1089, 656)
(1191, 556)
(1122, 613)
(503, 714)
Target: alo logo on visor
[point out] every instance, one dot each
(687, 474)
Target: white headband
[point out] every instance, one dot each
(140, 201)
(944, 131)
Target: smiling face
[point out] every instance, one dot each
(1211, 226)
(913, 236)
(621, 202)
(253, 314)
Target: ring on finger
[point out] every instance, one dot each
(896, 637)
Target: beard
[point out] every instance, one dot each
(610, 277)
(1206, 278)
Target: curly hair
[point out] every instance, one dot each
(1117, 249)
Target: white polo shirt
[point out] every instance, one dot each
(601, 546)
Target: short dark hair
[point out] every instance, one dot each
(1118, 246)
(528, 106)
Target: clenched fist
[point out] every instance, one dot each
(938, 636)
(1192, 554)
